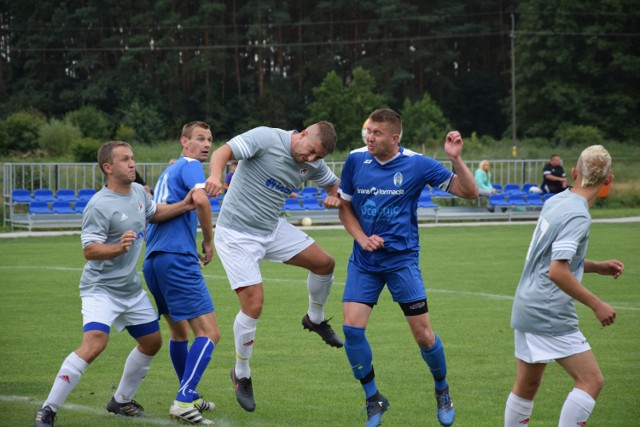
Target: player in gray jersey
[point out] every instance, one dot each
(113, 225)
(272, 163)
(544, 317)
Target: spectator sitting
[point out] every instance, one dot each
(482, 176)
(554, 179)
(227, 179)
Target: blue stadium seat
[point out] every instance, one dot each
(312, 204)
(43, 195)
(66, 195)
(547, 196)
(215, 203)
(292, 204)
(39, 207)
(20, 195)
(526, 187)
(535, 199)
(512, 189)
(497, 187)
(499, 200)
(436, 192)
(86, 193)
(79, 206)
(517, 199)
(62, 207)
(310, 191)
(425, 201)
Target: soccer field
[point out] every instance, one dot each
(470, 273)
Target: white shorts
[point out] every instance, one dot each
(241, 253)
(118, 312)
(532, 348)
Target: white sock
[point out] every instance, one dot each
(576, 409)
(135, 369)
(244, 332)
(319, 288)
(517, 411)
(68, 376)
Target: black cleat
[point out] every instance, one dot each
(127, 409)
(376, 406)
(45, 417)
(323, 329)
(244, 392)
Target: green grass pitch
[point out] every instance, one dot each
(470, 273)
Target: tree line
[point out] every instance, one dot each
(151, 66)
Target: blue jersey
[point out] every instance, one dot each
(177, 235)
(384, 197)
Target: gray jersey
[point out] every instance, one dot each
(107, 216)
(265, 177)
(562, 233)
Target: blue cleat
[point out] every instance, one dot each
(376, 406)
(446, 413)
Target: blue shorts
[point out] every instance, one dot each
(405, 284)
(176, 283)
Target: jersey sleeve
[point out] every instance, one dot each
(566, 243)
(247, 145)
(435, 174)
(346, 183)
(94, 226)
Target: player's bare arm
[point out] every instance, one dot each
(332, 201)
(219, 159)
(166, 211)
(100, 251)
(611, 267)
(561, 275)
(463, 185)
(353, 227)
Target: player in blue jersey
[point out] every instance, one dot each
(272, 163)
(173, 274)
(380, 186)
(544, 317)
(113, 225)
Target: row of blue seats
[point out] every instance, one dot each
(20, 195)
(519, 199)
(38, 207)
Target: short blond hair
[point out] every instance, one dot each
(594, 165)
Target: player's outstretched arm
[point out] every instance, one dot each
(353, 227)
(611, 267)
(463, 185)
(214, 184)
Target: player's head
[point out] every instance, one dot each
(326, 133)
(594, 166)
(387, 115)
(105, 153)
(188, 128)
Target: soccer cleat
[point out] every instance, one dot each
(324, 330)
(127, 409)
(45, 417)
(446, 413)
(376, 406)
(189, 415)
(244, 392)
(203, 405)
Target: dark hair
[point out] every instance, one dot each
(327, 135)
(387, 115)
(187, 129)
(105, 153)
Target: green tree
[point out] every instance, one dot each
(92, 122)
(346, 106)
(21, 131)
(57, 136)
(577, 64)
(423, 123)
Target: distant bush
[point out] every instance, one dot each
(57, 136)
(86, 150)
(92, 122)
(125, 133)
(570, 136)
(145, 121)
(20, 132)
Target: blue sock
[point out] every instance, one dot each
(178, 351)
(197, 361)
(437, 364)
(360, 357)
